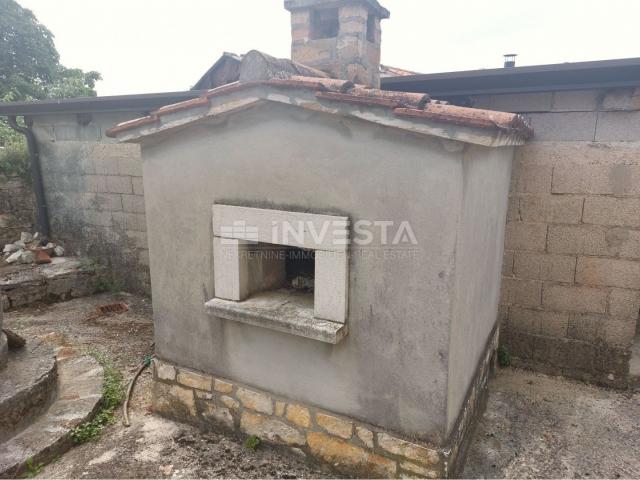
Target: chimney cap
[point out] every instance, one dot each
(373, 5)
(510, 60)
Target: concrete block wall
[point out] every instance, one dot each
(17, 208)
(571, 272)
(94, 192)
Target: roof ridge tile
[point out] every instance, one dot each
(403, 104)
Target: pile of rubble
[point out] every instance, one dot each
(31, 249)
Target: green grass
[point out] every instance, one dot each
(112, 396)
(32, 469)
(252, 443)
(15, 161)
(104, 280)
(106, 284)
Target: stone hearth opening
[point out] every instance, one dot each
(286, 271)
(300, 268)
(280, 271)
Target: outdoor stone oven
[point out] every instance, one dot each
(376, 359)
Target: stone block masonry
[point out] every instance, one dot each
(351, 447)
(571, 274)
(94, 192)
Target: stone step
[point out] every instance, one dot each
(62, 279)
(27, 386)
(79, 397)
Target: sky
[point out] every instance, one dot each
(145, 46)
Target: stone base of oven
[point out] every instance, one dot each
(351, 447)
(473, 406)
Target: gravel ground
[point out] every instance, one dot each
(535, 426)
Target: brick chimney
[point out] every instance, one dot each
(340, 37)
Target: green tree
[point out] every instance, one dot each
(30, 66)
(28, 56)
(8, 136)
(73, 82)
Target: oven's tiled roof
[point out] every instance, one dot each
(405, 105)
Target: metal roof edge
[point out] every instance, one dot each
(115, 103)
(562, 76)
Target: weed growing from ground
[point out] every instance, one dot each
(504, 357)
(112, 396)
(252, 443)
(104, 281)
(106, 284)
(33, 469)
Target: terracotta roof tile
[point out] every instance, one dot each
(470, 117)
(403, 104)
(176, 107)
(360, 99)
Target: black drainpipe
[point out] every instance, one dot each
(36, 175)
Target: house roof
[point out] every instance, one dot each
(537, 78)
(141, 103)
(409, 111)
(217, 68)
(227, 70)
(565, 76)
(387, 71)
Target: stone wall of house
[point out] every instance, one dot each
(94, 193)
(571, 284)
(17, 208)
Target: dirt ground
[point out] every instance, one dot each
(537, 426)
(534, 426)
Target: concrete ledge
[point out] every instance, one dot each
(598, 363)
(281, 310)
(62, 279)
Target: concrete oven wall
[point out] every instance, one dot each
(393, 365)
(93, 188)
(479, 250)
(571, 284)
